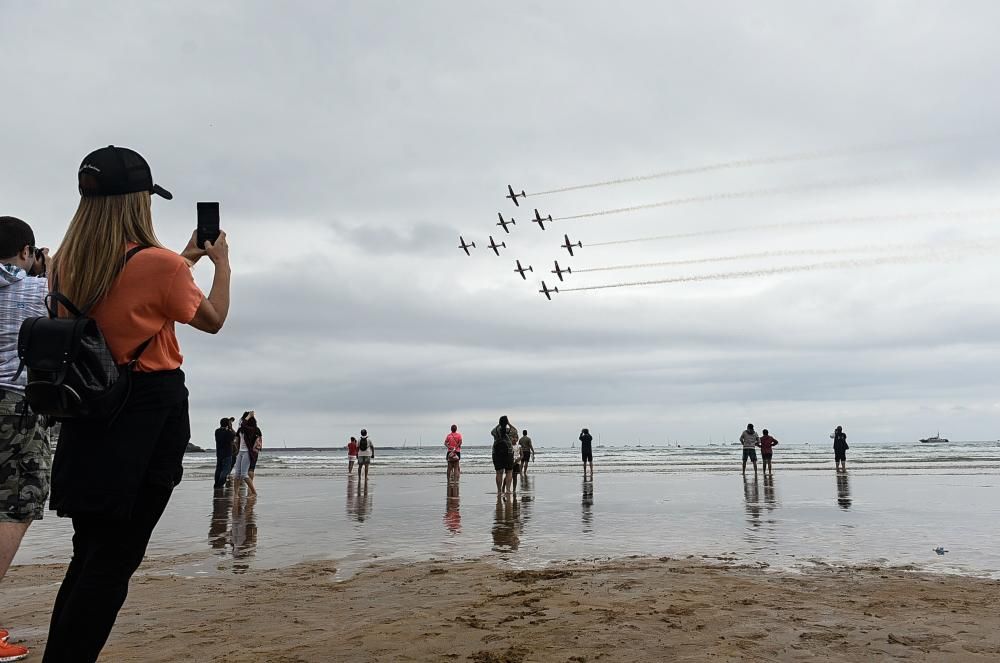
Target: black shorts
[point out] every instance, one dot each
(503, 459)
(767, 455)
(840, 455)
(588, 454)
(526, 458)
(750, 454)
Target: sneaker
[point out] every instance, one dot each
(9, 652)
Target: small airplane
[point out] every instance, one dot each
(521, 270)
(503, 224)
(547, 291)
(540, 220)
(558, 271)
(514, 196)
(465, 247)
(569, 245)
(496, 247)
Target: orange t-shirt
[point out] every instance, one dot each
(155, 290)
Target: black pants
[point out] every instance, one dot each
(105, 555)
(114, 482)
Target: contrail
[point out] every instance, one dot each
(815, 155)
(903, 216)
(752, 273)
(793, 252)
(733, 195)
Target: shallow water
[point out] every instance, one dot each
(797, 518)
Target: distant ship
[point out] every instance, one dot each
(937, 439)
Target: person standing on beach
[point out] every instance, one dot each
(767, 444)
(225, 438)
(114, 476)
(504, 435)
(453, 444)
(366, 454)
(840, 449)
(249, 436)
(587, 451)
(256, 449)
(750, 441)
(515, 471)
(352, 455)
(527, 451)
(25, 456)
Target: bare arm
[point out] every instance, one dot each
(214, 309)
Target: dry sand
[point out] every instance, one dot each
(628, 610)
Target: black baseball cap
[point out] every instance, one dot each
(115, 171)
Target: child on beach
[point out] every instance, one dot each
(453, 442)
(352, 455)
(766, 444)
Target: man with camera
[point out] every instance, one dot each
(25, 457)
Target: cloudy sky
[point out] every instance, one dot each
(350, 143)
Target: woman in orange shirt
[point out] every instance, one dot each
(114, 477)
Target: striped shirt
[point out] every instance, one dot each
(21, 297)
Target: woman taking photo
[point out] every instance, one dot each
(114, 477)
(250, 444)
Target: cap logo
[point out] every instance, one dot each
(89, 166)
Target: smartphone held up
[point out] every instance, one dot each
(208, 223)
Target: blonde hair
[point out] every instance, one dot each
(92, 252)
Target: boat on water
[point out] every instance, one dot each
(935, 439)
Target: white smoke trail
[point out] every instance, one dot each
(733, 195)
(753, 273)
(887, 248)
(815, 155)
(903, 216)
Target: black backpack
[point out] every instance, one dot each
(71, 371)
(363, 444)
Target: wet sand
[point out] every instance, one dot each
(644, 609)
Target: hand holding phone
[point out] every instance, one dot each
(208, 223)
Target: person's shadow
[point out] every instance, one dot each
(586, 506)
(843, 491)
(452, 514)
(506, 535)
(770, 500)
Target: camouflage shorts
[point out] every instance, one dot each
(25, 461)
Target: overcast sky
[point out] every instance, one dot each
(350, 143)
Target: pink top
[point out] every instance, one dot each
(453, 441)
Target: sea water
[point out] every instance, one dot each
(894, 506)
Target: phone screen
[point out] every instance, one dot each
(208, 223)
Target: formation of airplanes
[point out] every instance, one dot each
(519, 269)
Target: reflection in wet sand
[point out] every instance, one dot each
(770, 500)
(244, 528)
(843, 491)
(751, 493)
(222, 506)
(585, 505)
(359, 502)
(452, 515)
(506, 525)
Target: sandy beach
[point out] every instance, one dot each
(645, 609)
